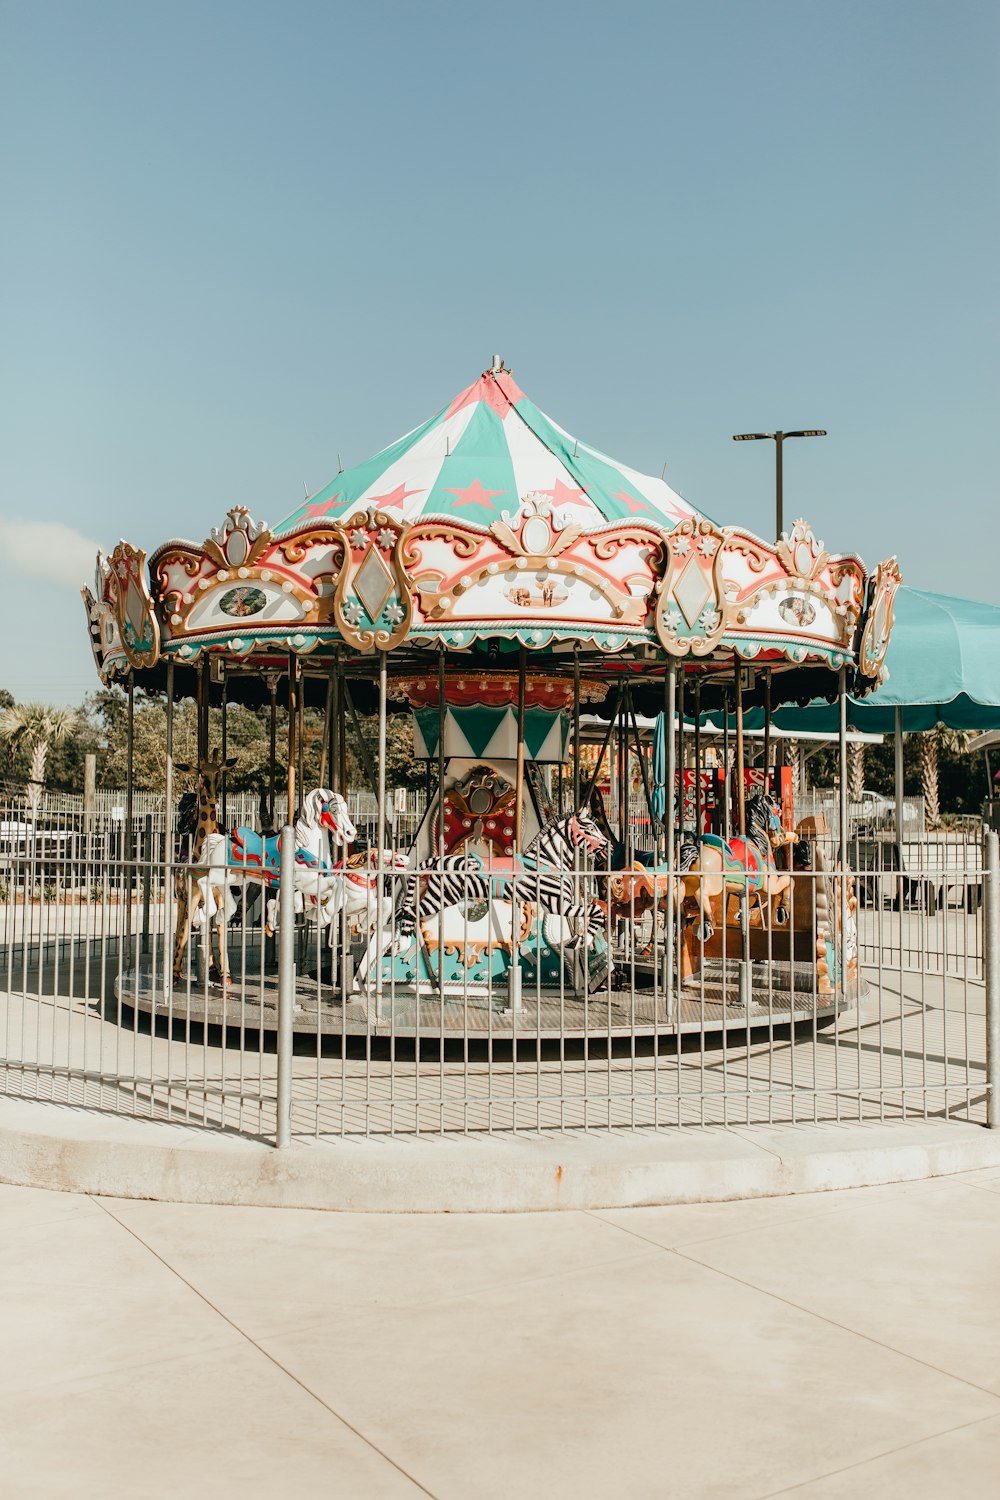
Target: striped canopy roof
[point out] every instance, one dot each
(479, 457)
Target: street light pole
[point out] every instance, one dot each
(778, 439)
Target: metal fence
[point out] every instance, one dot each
(578, 1003)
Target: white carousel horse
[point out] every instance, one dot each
(353, 889)
(247, 857)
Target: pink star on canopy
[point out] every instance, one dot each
(323, 507)
(393, 498)
(475, 495)
(630, 502)
(501, 392)
(566, 494)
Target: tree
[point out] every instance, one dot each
(34, 727)
(793, 760)
(935, 746)
(401, 766)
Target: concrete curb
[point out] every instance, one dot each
(75, 1150)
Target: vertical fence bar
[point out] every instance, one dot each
(286, 988)
(669, 826)
(380, 837)
(147, 863)
(991, 969)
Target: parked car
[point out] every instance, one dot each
(874, 812)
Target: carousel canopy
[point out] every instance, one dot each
(486, 529)
(474, 460)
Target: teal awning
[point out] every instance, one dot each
(944, 668)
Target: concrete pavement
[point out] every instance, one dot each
(819, 1346)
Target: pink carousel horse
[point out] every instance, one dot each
(712, 867)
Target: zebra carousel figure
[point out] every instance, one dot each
(481, 917)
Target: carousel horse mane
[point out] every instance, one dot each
(265, 813)
(557, 839)
(761, 816)
(187, 813)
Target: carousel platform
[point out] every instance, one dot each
(710, 1001)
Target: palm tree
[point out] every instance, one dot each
(34, 727)
(931, 742)
(793, 760)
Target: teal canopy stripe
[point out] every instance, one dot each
(482, 455)
(338, 499)
(477, 481)
(607, 487)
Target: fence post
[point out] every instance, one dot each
(147, 859)
(991, 970)
(286, 986)
(89, 791)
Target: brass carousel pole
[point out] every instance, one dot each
(726, 817)
(129, 750)
(324, 748)
(842, 841)
(576, 728)
(519, 803)
(682, 799)
(622, 779)
(741, 801)
(697, 757)
(224, 821)
(300, 733)
(293, 716)
(130, 843)
(272, 683)
(669, 825)
(767, 730)
(168, 841)
(514, 972)
(741, 805)
(203, 697)
(440, 750)
(336, 709)
(341, 728)
(380, 829)
(442, 719)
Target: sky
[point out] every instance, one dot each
(241, 239)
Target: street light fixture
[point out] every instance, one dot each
(778, 438)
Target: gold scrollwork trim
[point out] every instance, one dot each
(377, 639)
(688, 538)
(465, 543)
(560, 541)
(295, 548)
(878, 620)
(138, 627)
(607, 543)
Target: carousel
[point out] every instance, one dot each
(503, 584)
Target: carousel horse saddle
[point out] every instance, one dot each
(253, 851)
(744, 864)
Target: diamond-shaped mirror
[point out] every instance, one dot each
(692, 592)
(373, 583)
